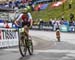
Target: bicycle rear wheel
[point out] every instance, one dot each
(22, 47)
(30, 46)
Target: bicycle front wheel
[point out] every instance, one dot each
(58, 38)
(22, 47)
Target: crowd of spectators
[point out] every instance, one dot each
(16, 4)
(55, 23)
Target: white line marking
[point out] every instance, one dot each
(46, 51)
(72, 55)
(56, 51)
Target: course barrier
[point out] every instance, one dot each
(8, 37)
(42, 27)
(63, 28)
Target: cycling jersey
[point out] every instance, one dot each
(29, 16)
(26, 18)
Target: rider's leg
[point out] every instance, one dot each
(26, 29)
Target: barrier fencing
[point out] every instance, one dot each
(63, 28)
(8, 37)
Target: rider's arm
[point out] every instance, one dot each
(17, 20)
(30, 18)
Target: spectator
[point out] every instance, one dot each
(74, 23)
(71, 16)
(10, 4)
(6, 5)
(56, 25)
(41, 22)
(71, 23)
(50, 23)
(16, 8)
(70, 4)
(62, 18)
(66, 23)
(6, 24)
(61, 21)
(32, 7)
(17, 3)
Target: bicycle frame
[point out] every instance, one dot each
(26, 42)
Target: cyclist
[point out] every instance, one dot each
(58, 34)
(26, 19)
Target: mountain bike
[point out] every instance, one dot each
(25, 43)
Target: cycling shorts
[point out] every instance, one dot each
(26, 23)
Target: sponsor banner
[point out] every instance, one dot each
(13, 43)
(48, 27)
(4, 43)
(35, 27)
(41, 27)
(8, 37)
(63, 28)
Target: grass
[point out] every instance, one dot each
(53, 13)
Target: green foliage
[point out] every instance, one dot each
(55, 12)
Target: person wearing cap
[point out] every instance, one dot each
(26, 18)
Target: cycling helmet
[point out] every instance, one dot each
(25, 10)
(29, 8)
